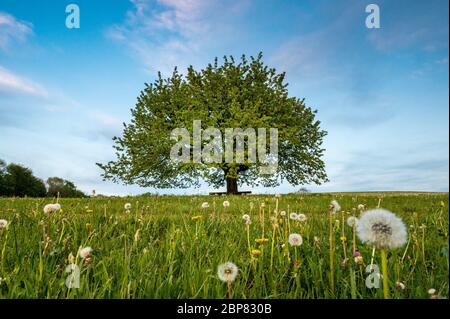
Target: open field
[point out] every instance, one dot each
(171, 247)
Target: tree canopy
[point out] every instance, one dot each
(17, 180)
(234, 94)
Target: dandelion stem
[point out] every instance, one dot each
(331, 254)
(385, 274)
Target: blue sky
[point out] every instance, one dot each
(382, 94)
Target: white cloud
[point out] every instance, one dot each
(172, 33)
(13, 83)
(12, 30)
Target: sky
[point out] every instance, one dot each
(381, 93)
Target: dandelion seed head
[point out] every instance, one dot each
(295, 240)
(127, 206)
(205, 205)
(227, 272)
(352, 221)
(3, 224)
(301, 217)
(293, 216)
(382, 229)
(226, 203)
(85, 252)
(334, 206)
(431, 291)
(51, 208)
(361, 207)
(283, 213)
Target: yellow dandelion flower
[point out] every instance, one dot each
(261, 240)
(343, 238)
(442, 203)
(256, 252)
(196, 217)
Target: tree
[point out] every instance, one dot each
(64, 187)
(20, 181)
(244, 94)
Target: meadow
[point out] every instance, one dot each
(171, 247)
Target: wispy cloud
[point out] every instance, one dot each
(16, 84)
(172, 33)
(12, 30)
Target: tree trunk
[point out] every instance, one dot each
(232, 187)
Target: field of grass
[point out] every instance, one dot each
(171, 247)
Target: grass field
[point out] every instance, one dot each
(171, 247)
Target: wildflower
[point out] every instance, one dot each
(89, 211)
(301, 217)
(226, 204)
(127, 206)
(334, 206)
(256, 252)
(352, 221)
(51, 208)
(261, 240)
(278, 196)
(356, 253)
(295, 239)
(343, 238)
(85, 252)
(263, 205)
(361, 207)
(196, 217)
(3, 224)
(227, 272)
(442, 204)
(246, 217)
(283, 213)
(205, 205)
(400, 286)
(359, 260)
(382, 229)
(293, 216)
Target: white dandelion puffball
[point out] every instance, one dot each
(51, 208)
(263, 205)
(226, 203)
(361, 207)
(227, 272)
(431, 291)
(301, 217)
(352, 221)
(335, 207)
(293, 216)
(283, 213)
(85, 252)
(205, 205)
(127, 206)
(381, 228)
(246, 217)
(3, 224)
(295, 240)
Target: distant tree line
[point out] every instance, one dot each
(17, 180)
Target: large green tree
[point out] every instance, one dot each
(233, 94)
